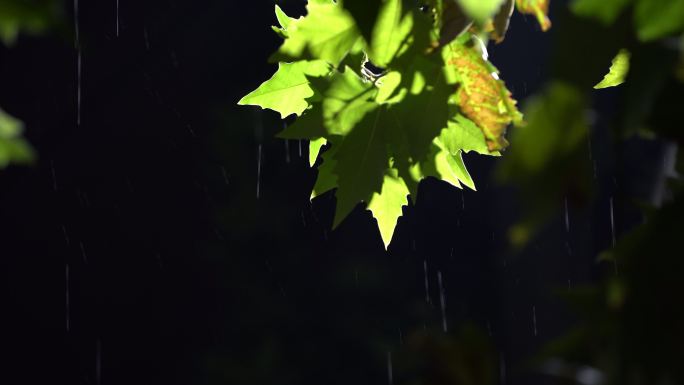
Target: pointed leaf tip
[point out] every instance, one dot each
(618, 72)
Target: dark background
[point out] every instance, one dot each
(167, 237)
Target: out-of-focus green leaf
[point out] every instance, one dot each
(454, 22)
(657, 19)
(286, 92)
(13, 148)
(538, 8)
(480, 10)
(605, 11)
(618, 71)
(502, 20)
(32, 17)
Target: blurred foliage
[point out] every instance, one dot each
(13, 148)
(27, 16)
(465, 357)
(31, 17)
(631, 325)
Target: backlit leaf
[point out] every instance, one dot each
(481, 96)
(286, 92)
(327, 32)
(480, 10)
(538, 8)
(386, 206)
(618, 71)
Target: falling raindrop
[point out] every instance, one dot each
(567, 216)
(502, 369)
(159, 260)
(67, 301)
(300, 148)
(83, 253)
(612, 222)
(77, 45)
(442, 301)
(78, 88)
(534, 320)
(258, 186)
(98, 362)
(225, 174)
(147, 39)
(401, 337)
(427, 285)
(390, 375)
(287, 151)
(54, 175)
(66, 236)
(117, 18)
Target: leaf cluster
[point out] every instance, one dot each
(393, 92)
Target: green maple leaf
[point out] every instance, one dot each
(482, 97)
(286, 92)
(439, 164)
(328, 32)
(462, 134)
(480, 10)
(326, 179)
(365, 13)
(618, 71)
(390, 33)
(346, 100)
(315, 148)
(361, 162)
(386, 206)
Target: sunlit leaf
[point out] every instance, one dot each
(386, 206)
(462, 134)
(346, 101)
(481, 96)
(480, 10)
(327, 32)
(362, 160)
(314, 148)
(390, 32)
(538, 8)
(286, 92)
(618, 71)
